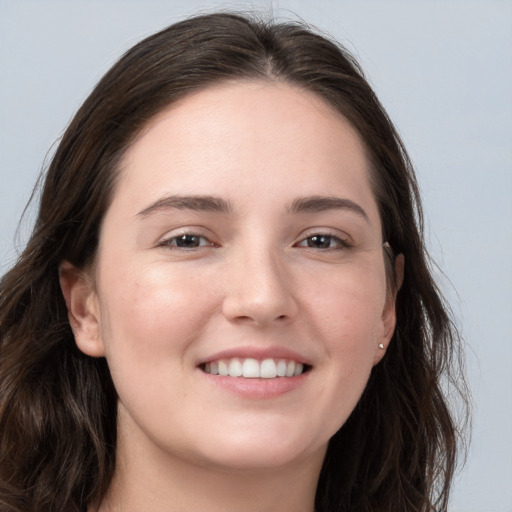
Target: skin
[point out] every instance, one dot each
(257, 281)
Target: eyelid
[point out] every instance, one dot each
(166, 240)
(340, 244)
(343, 237)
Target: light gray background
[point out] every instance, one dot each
(443, 70)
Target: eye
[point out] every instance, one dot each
(323, 241)
(187, 241)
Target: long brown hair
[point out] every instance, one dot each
(397, 451)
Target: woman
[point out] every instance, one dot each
(226, 300)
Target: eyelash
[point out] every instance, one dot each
(172, 241)
(339, 243)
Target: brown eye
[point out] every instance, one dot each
(319, 241)
(323, 242)
(186, 241)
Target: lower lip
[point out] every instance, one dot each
(257, 389)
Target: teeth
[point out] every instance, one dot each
(268, 369)
(223, 368)
(250, 368)
(235, 368)
(281, 368)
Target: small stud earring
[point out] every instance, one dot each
(381, 345)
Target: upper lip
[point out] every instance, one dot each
(259, 353)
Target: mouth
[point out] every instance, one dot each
(251, 368)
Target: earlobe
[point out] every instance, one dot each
(83, 311)
(389, 312)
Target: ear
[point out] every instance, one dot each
(83, 309)
(389, 312)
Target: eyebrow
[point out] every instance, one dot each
(312, 204)
(308, 204)
(197, 203)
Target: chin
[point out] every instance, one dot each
(252, 452)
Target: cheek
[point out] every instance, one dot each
(347, 315)
(348, 306)
(150, 320)
(148, 313)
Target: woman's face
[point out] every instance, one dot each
(243, 237)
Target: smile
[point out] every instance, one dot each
(250, 368)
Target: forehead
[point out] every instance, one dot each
(271, 135)
(252, 105)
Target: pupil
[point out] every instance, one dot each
(319, 242)
(187, 241)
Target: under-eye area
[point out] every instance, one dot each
(251, 368)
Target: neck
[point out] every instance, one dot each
(147, 480)
(197, 491)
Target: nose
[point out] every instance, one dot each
(259, 290)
